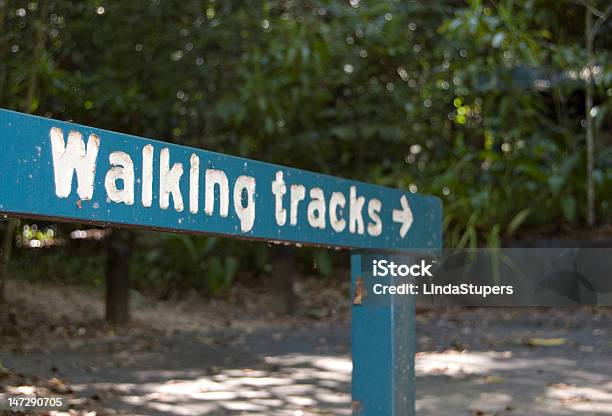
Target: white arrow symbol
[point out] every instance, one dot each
(403, 216)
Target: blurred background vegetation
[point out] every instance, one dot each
(483, 103)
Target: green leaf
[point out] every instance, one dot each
(518, 219)
(555, 183)
(568, 205)
(323, 263)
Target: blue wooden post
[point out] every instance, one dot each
(384, 337)
(383, 348)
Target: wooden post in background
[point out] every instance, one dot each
(283, 275)
(117, 277)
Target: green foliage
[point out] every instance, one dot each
(479, 102)
(171, 263)
(519, 111)
(80, 266)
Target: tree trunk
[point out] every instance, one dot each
(39, 46)
(590, 145)
(117, 278)
(3, 52)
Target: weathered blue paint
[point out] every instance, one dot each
(383, 349)
(382, 338)
(383, 343)
(28, 189)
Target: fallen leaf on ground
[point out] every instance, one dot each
(546, 342)
(493, 379)
(58, 386)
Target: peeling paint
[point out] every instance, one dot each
(122, 170)
(169, 180)
(71, 157)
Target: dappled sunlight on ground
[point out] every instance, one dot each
(487, 362)
(488, 383)
(293, 384)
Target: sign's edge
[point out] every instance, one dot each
(241, 158)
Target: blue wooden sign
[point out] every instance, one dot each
(65, 171)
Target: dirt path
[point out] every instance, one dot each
(201, 359)
(515, 362)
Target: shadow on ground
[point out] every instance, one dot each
(472, 362)
(280, 371)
